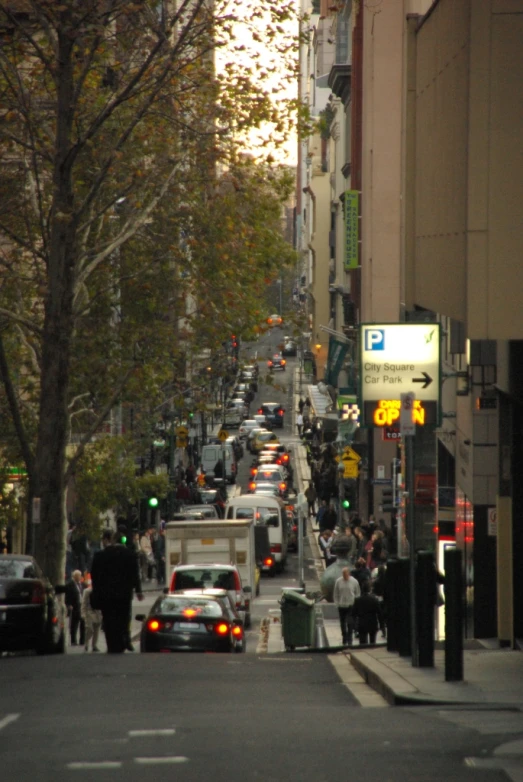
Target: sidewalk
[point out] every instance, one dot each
(492, 677)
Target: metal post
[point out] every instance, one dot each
(411, 529)
(453, 616)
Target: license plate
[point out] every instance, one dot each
(188, 626)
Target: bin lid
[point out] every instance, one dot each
(292, 596)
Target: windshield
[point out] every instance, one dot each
(205, 578)
(17, 568)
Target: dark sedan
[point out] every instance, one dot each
(31, 615)
(192, 622)
(273, 412)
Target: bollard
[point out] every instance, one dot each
(404, 643)
(453, 616)
(425, 601)
(391, 604)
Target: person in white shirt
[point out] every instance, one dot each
(346, 590)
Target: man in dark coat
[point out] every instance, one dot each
(115, 574)
(368, 615)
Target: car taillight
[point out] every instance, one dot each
(283, 486)
(222, 628)
(285, 457)
(294, 528)
(252, 486)
(154, 625)
(283, 361)
(269, 363)
(237, 631)
(280, 412)
(276, 548)
(268, 562)
(278, 461)
(38, 595)
(260, 411)
(254, 470)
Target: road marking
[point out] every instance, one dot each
(152, 732)
(161, 760)
(81, 766)
(7, 720)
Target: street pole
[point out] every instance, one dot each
(411, 530)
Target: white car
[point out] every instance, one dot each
(246, 426)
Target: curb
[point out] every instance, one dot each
(395, 690)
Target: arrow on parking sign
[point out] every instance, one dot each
(426, 380)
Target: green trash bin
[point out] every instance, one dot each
(298, 619)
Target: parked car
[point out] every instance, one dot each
(31, 615)
(273, 412)
(192, 621)
(277, 363)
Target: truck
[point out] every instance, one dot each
(212, 542)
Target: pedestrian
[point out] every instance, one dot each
(348, 538)
(92, 619)
(146, 555)
(330, 518)
(325, 540)
(301, 405)
(310, 496)
(159, 553)
(368, 615)
(73, 601)
(115, 575)
(320, 514)
(299, 424)
(361, 572)
(346, 590)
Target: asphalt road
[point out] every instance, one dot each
(236, 718)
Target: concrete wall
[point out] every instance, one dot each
(441, 159)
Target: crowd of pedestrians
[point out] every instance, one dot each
(359, 592)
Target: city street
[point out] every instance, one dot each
(244, 717)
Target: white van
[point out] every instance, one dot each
(269, 511)
(212, 453)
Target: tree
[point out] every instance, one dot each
(102, 114)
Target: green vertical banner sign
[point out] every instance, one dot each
(336, 356)
(351, 210)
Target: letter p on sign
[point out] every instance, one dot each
(374, 339)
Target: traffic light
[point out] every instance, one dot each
(153, 501)
(388, 501)
(346, 504)
(191, 416)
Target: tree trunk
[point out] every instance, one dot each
(57, 334)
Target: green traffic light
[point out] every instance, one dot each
(346, 504)
(153, 502)
(123, 540)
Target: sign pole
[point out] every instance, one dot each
(411, 530)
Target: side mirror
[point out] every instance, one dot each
(247, 590)
(140, 617)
